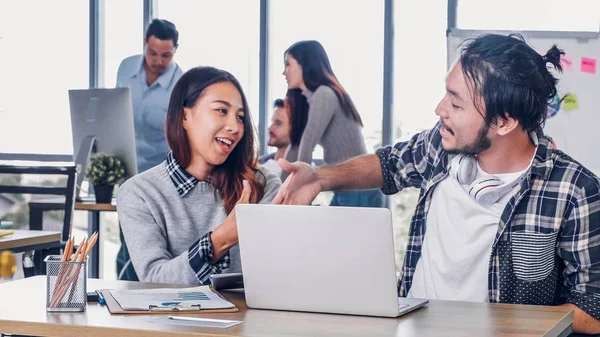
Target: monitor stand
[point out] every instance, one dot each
(88, 146)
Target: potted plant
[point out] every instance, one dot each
(104, 171)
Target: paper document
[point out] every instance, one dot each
(142, 299)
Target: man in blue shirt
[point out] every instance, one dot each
(151, 78)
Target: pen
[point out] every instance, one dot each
(101, 298)
(198, 319)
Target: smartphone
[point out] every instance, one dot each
(227, 281)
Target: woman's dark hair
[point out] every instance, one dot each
(240, 165)
(163, 30)
(316, 71)
(511, 77)
(297, 113)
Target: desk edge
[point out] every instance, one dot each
(561, 326)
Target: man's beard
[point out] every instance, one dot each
(482, 143)
(277, 143)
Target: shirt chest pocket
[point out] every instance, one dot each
(533, 254)
(155, 116)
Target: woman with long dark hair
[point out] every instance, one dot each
(298, 114)
(333, 121)
(297, 108)
(178, 218)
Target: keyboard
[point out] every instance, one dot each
(401, 305)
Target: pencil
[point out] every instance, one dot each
(66, 252)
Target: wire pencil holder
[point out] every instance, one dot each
(66, 283)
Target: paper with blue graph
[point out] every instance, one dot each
(201, 298)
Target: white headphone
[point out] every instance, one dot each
(485, 190)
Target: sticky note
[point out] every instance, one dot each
(570, 102)
(588, 65)
(567, 63)
(4, 233)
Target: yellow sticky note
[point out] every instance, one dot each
(4, 233)
(570, 102)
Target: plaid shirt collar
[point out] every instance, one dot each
(542, 162)
(182, 180)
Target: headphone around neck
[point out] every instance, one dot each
(486, 190)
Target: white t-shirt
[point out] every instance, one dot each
(458, 243)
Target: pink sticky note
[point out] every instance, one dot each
(567, 63)
(588, 65)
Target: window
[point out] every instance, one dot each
(549, 15)
(419, 72)
(352, 35)
(222, 34)
(42, 57)
(123, 35)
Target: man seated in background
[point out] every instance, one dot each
(503, 216)
(279, 136)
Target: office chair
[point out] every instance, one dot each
(35, 218)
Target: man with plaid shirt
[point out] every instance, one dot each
(503, 216)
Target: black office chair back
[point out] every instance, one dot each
(68, 191)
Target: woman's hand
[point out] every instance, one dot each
(226, 235)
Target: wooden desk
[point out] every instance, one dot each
(25, 240)
(36, 213)
(23, 311)
(50, 204)
(92, 206)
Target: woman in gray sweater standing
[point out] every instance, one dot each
(333, 121)
(178, 218)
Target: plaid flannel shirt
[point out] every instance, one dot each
(547, 247)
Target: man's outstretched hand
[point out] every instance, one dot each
(301, 187)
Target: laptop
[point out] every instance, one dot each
(320, 259)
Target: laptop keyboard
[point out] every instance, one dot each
(401, 305)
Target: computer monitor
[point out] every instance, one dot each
(102, 121)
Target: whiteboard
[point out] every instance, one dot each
(576, 132)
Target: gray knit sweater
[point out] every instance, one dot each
(340, 136)
(167, 233)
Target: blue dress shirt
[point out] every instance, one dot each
(150, 105)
